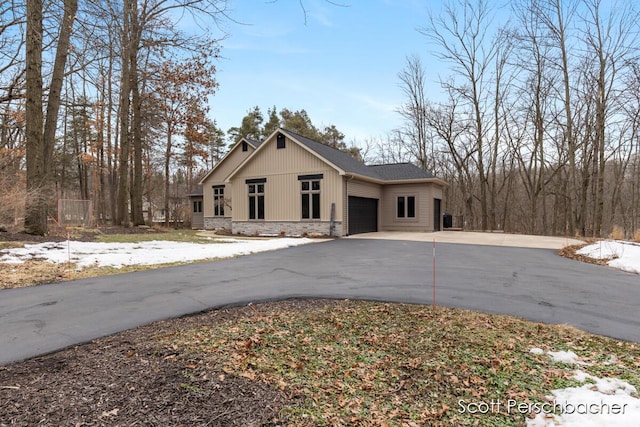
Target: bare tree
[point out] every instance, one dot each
(461, 38)
(612, 40)
(415, 132)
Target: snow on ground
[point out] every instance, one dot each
(598, 402)
(623, 255)
(565, 357)
(85, 254)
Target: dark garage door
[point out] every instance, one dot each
(363, 215)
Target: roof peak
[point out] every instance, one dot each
(349, 164)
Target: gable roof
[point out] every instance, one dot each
(345, 164)
(254, 143)
(352, 166)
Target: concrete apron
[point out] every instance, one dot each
(475, 238)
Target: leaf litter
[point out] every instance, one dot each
(312, 362)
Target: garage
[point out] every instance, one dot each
(363, 215)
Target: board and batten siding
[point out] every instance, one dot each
(281, 168)
(221, 172)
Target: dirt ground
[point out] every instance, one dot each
(131, 379)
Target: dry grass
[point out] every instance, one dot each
(617, 233)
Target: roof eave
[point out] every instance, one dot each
(397, 181)
(208, 174)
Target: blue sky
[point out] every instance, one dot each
(341, 65)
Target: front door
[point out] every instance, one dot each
(436, 214)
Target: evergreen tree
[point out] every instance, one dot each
(272, 124)
(251, 126)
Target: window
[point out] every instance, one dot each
(245, 146)
(280, 142)
(310, 199)
(256, 200)
(218, 200)
(406, 207)
(197, 206)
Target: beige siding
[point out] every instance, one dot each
(359, 188)
(281, 168)
(220, 173)
(424, 194)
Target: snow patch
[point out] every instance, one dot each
(118, 255)
(622, 255)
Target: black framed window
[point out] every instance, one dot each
(245, 146)
(406, 207)
(280, 143)
(197, 206)
(218, 201)
(310, 199)
(256, 201)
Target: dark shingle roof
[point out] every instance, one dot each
(196, 192)
(344, 161)
(398, 171)
(252, 141)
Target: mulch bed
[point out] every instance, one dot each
(131, 379)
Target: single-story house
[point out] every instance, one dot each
(291, 185)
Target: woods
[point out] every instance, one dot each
(91, 94)
(537, 127)
(534, 124)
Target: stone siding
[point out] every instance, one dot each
(217, 223)
(286, 228)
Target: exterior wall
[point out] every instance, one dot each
(424, 194)
(218, 176)
(217, 223)
(286, 228)
(281, 168)
(359, 188)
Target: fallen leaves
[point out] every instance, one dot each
(388, 364)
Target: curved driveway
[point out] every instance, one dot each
(532, 283)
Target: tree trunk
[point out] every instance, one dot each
(122, 199)
(167, 173)
(35, 221)
(136, 126)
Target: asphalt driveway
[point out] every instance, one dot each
(532, 283)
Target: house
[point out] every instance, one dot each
(292, 185)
